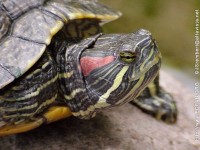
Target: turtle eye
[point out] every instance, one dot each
(127, 57)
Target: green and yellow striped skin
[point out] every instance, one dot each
(26, 30)
(79, 71)
(156, 101)
(118, 81)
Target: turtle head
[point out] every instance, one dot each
(118, 67)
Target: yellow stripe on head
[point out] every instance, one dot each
(116, 84)
(102, 100)
(136, 86)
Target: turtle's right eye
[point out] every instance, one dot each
(127, 57)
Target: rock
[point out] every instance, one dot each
(122, 128)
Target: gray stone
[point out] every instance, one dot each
(122, 128)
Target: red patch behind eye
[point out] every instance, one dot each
(90, 63)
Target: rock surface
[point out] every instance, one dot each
(122, 128)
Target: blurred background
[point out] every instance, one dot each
(172, 25)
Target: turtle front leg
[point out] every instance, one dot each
(155, 101)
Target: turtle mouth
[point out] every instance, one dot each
(140, 81)
(143, 70)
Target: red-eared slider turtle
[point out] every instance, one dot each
(55, 62)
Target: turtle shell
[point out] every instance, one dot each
(27, 28)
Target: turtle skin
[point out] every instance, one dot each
(54, 63)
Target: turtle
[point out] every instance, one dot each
(56, 62)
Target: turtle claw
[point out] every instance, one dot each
(157, 102)
(162, 108)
